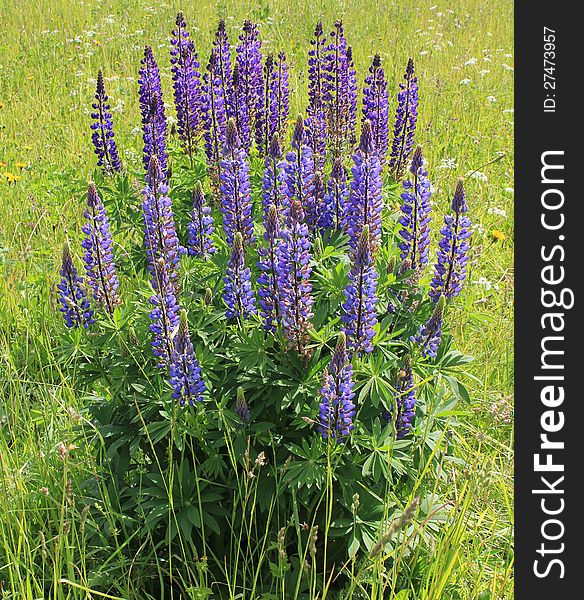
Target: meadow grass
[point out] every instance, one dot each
(49, 56)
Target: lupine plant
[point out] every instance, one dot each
(406, 118)
(376, 106)
(152, 110)
(249, 86)
(186, 82)
(415, 219)
(102, 129)
(262, 398)
(98, 256)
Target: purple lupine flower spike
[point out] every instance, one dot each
(235, 188)
(294, 278)
(241, 408)
(75, 306)
(187, 84)
(103, 130)
(152, 110)
(336, 408)
(351, 98)
(238, 295)
(415, 218)
(185, 371)
(452, 255)
(365, 201)
(240, 109)
(336, 196)
(272, 118)
(406, 116)
(359, 315)
(279, 92)
(273, 180)
(316, 121)
(221, 61)
(251, 86)
(405, 399)
(336, 97)
(160, 236)
(323, 218)
(299, 168)
(263, 109)
(376, 106)
(429, 334)
(201, 225)
(164, 315)
(214, 117)
(269, 290)
(100, 267)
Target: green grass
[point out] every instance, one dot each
(49, 56)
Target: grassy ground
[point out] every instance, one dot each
(49, 56)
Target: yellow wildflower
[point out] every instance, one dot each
(3, 164)
(2, 105)
(498, 236)
(21, 165)
(11, 177)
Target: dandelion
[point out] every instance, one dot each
(20, 165)
(359, 316)
(103, 131)
(498, 235)
(11, 177)
(185, 370)
(336, 409)
(98, 256)
(75, 306)
(452, 255)
(406, 116)
(235, 188)
(238, 295)
(294, 272)
(186, 82)
(201, 225)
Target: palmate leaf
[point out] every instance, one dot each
(309, 467)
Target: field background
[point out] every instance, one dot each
(49, 55)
